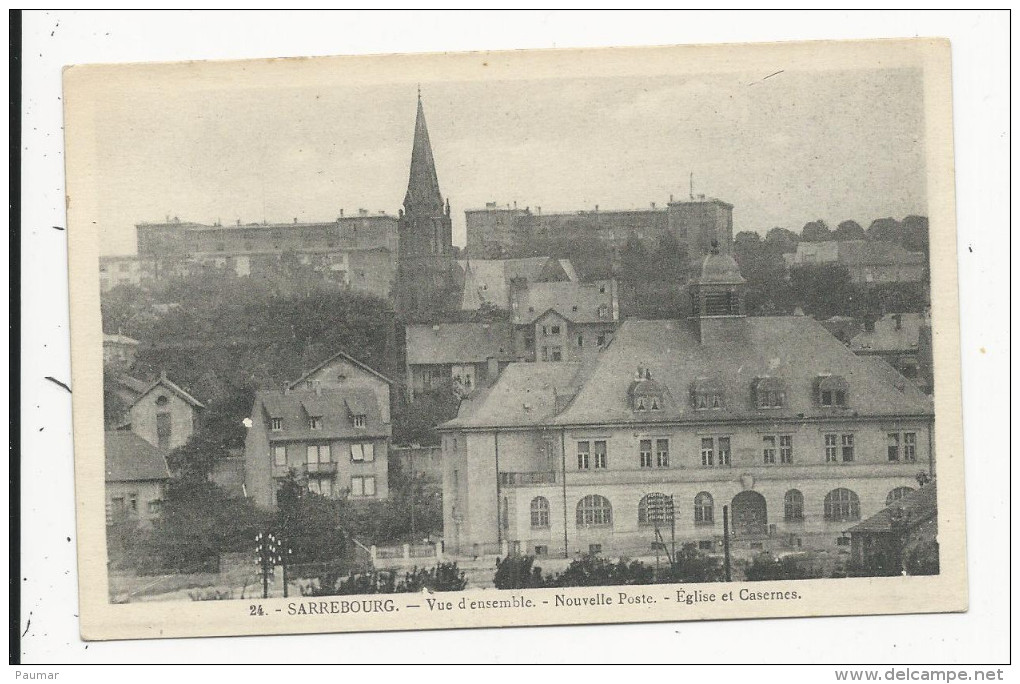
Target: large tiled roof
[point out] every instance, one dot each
(296, 406)
(458, 343)
(129, 458)
(917, 506)
(527, 394)
(795, 349)
(577, 302)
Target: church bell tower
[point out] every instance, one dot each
(425, 264)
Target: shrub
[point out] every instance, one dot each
(518, 572)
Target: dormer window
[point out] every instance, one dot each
(315, 422)
(360, 421)
(833, 391)
(645, 394)
(707, 394)
(769, 393)
(603, 311)
(639, 404)
(276, 424)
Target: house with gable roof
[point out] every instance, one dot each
(164, 414)
(330, 429)
(772, 417)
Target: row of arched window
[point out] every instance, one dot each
(594, 510)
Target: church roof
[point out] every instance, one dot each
(423, 184)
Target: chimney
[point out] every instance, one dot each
(295, 219)
(341, 213)
(653, 205)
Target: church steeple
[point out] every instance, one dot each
(423, 196)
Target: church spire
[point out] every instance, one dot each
(423, 194)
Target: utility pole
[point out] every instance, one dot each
(726, 539)
(267, 552)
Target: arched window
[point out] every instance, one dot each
(793, 505)
(594, 511)
(540, 512)
(704, 509)
(643, 517)
(162, 400)
(841, 505)
(897, 494)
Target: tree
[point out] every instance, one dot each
(848, 230)
(885, 230)
(766, 567)
(783, 240)
(824, 289)
(311, 525)
(914, 234)
(198, 522)
(815, 231)
(415, 422)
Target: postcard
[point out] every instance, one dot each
(554, 337)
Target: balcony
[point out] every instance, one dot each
(322, 468)
(527, 479)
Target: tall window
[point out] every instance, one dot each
(557, 353)
(769, 450)
(723, 451)
(317, 453)
(646, 453)
(910, 446)
(831, 448)
(894, 446)
(594, 511)
(707, 451)
(662, 453)
(540, 512)
(847, 442)
(897, 494)
(793, 506)
(842, 505)
(363, 452)
(276, 424)
(908, 440)
(704, 513)
(363, 485)
(786, 448)
(599, 455)
(315, 422)
(360, 421)
(280, 455)
(583, 455)
(163, 428)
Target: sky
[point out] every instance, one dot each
(784, 149)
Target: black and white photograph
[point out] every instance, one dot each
(536, 338)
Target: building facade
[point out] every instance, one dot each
(771, 417)
(870, 262)
(563, 321)
(136, 475)
(697, 222)
(119, 351)
(458, 356)
(330, 430)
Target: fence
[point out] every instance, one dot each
(404, 555)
